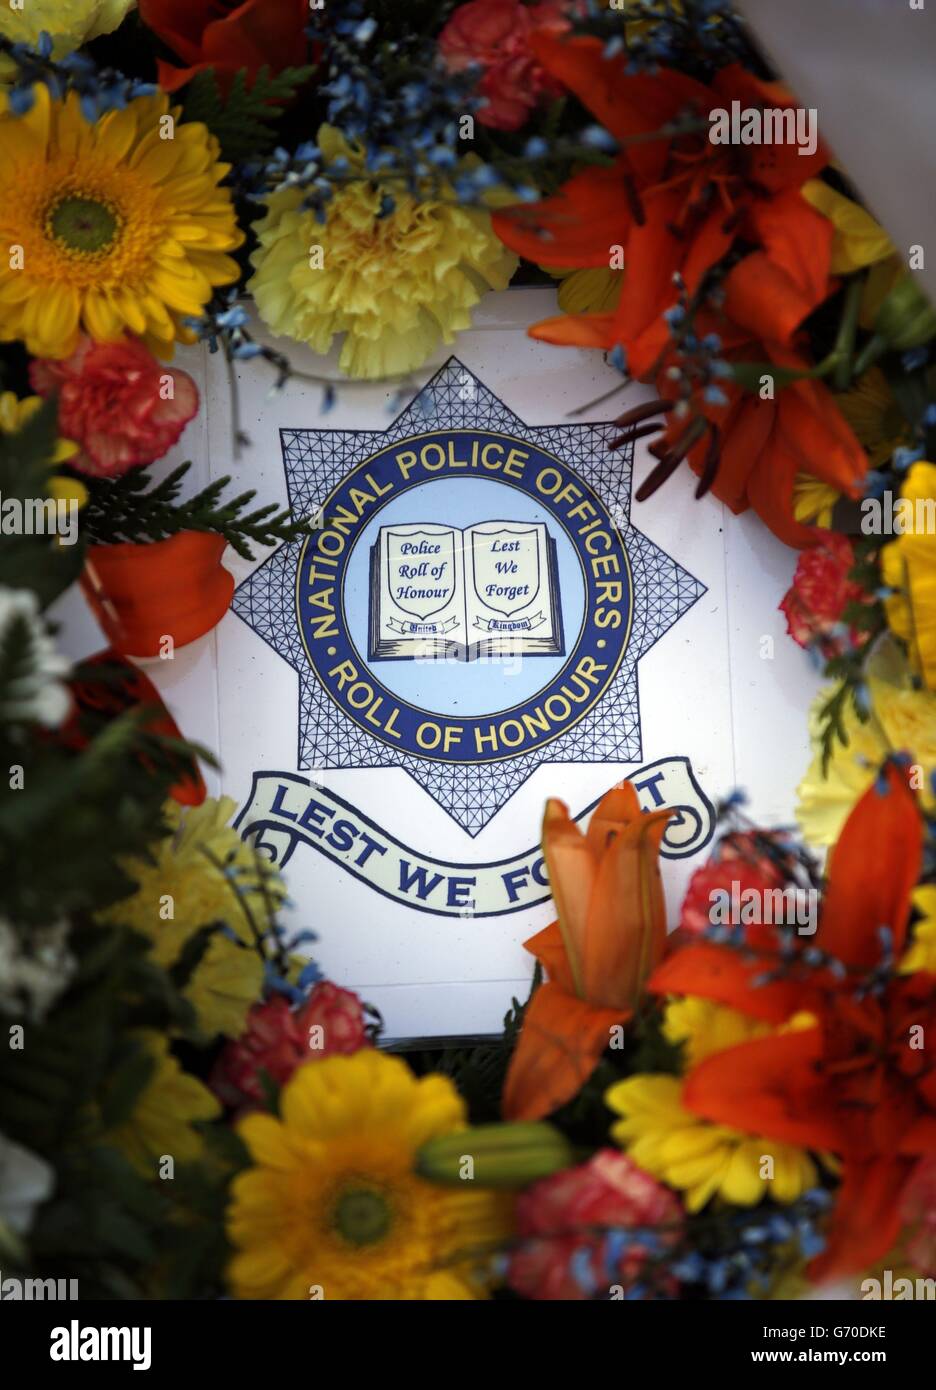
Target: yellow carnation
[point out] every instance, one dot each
(395, 286)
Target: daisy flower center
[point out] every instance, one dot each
(83, 224)
(362, 1216)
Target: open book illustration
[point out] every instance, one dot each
(438, 592)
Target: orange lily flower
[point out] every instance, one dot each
(610, 934)
(675, 204)
(855, 1083)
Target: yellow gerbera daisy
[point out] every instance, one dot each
(204, 873)
(113, 226)
(690, 1153)
(921, 953)
(332, 1208)
(908, 566)
(901, 719)
(161, 1124)
(396, 286)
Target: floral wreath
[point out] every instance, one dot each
(743, 1109)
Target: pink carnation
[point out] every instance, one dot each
(739, 859)
(563, 1251)
(279, 1038)
(118, 403)
(821, 591)
(495, 35)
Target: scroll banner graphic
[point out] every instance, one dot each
(286, 810)
(422, 629)
(510, 624)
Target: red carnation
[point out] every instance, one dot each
(495, 35)
(564, 1253)
(740, 859)
(279, 1038)
(820, 593)
(118, 403)
(227, 36)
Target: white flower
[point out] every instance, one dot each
(26, 1181)
(35, 968)
(31, 689)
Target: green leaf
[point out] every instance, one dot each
(120, 510)
(245, 120)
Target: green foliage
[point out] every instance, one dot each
(124, 510)
(35, 562)
(78, 813)
(245, 120)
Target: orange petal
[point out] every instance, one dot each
(576, 226)
(625, 934)
(572, 869)
(549, 949)
(617, 808)
(625, 103)
(559, 1046)
(769, 1086)
(866, 1221)
(873, 869)
(716, 972)
(576, 330)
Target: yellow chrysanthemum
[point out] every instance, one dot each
(113, 226)
(813, 500)
(204, 873)
(688, 1152)
(69, 23)
(873, 413)
(908, 566)
(396, 286)
(921, 953)
(161, 1123)
(332, 1208)
(901, 718)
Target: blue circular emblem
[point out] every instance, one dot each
(466, 597)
